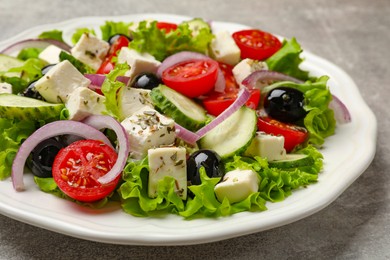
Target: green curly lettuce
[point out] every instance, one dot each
(12, 134)
(287, 60)
(52, 35)
(111, 28)
(148, 38)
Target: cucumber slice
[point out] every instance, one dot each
(24, 108)
(233, 135)
(180, 108)
(8, 62)
(197, 24)
(293, 161)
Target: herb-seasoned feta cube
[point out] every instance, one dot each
(147, 129)
(90, 50)
(225, 49)
(5, 88)
(51, 54)
(83, 102)
(133, 99)
(167, 161)
(237, 185)
(267, 146)
(60, 81)
(246, 67)
(139, 62)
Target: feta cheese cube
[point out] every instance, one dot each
(246, 67)
(60, 81)
(83, 102)
(167, 161)
(51, 54)
(5, 88)
(90, 50)
(267, 146)
(133, 99)
(237, 185)
(138, 62)
(147, 129)
(225, 49)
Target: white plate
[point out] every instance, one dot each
(347, 154)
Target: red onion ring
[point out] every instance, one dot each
(188, 55)
(101, 122)
(186, 135)
(47, 131)
(265, 75)
(34, 43)
(341, 112)
(98, 79)
(242, 98)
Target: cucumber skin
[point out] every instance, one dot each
(284, 164)
(163, 105)
(43, 113)
(243, 148)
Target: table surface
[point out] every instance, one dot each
(352, 34)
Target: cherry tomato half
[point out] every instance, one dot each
(168, 27)
(293, 135)
(77, 168)
(230, 81)
(216, 103)
(191, 78)
(108, 65)
(256, 44)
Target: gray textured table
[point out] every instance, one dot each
(352, 34)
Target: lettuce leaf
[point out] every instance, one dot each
(276, 184)
(53, 35)
(29, 71)
(28, 53)
(319, 121)
(287, 60)
(12, 134)
(148, 38)
(110, 28)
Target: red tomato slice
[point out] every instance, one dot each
(192, 78)
(216, 103)
(77, 168)
(227, 71)
(256, 44)
(168, 27)
(108, 64)
(293, 135)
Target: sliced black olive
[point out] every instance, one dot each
(42, 157)
(45, 69)
(31, 92)
(285, 104)
(210, 160)
(146, 80)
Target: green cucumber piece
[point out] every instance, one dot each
(24, 108)
(197, 24)
(293, 161)
(8, 62)
(233, 135)
(180, 108)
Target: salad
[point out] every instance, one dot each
(164, 118)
